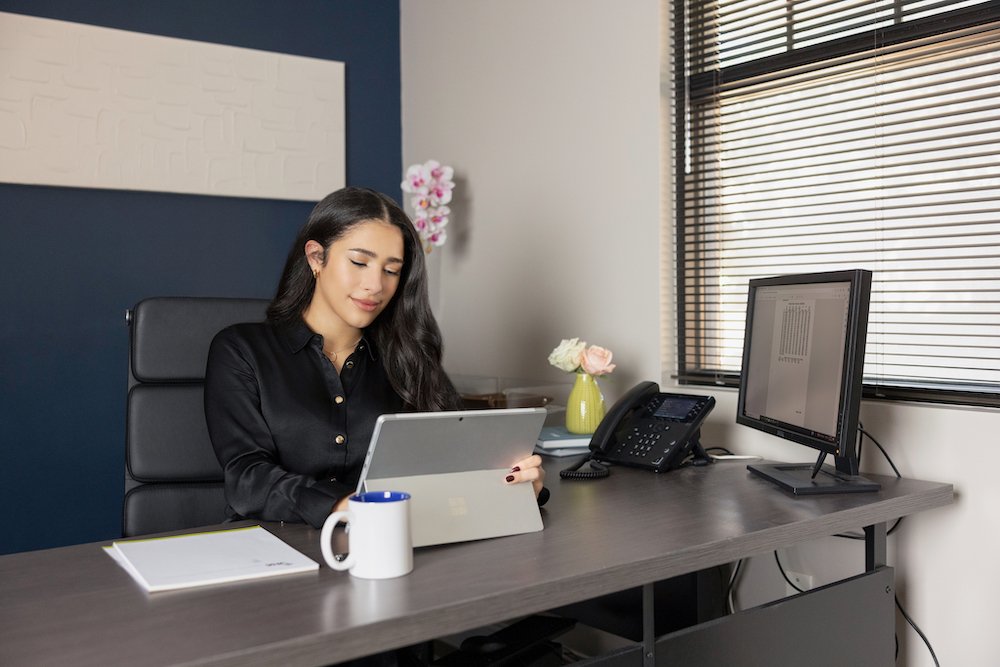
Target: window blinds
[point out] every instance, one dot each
(853, 134)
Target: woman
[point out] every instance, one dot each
(291, 403)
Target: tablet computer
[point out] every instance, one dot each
(454, 465)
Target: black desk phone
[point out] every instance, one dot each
(647, 429)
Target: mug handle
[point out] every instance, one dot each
(326, 540)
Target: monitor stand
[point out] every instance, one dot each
(805, 479)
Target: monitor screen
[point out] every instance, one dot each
(803, 357)
(796, 363)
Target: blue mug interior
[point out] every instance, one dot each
(380, 497)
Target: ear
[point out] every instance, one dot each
(314, 254)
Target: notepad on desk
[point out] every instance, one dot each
(200, 559)
(557, 441)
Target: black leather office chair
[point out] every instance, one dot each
(172, 478)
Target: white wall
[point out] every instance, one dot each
(550, 113)
(944, 559)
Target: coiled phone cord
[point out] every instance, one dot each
(597, 469)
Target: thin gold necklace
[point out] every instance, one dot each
(332, 356)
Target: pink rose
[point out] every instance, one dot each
(596, 360)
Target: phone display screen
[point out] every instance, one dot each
(676, 407)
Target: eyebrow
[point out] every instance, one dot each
(369, 253)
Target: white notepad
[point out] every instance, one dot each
(199, 559)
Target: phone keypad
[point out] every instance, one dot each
(646, 441)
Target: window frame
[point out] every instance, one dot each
(695, 86)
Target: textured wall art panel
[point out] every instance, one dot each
(93, 107)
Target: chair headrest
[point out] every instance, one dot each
(171, 335)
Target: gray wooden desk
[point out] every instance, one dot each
(74, 605)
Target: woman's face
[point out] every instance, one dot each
(360, 276)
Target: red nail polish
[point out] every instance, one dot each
(510, 478)
(515, 469)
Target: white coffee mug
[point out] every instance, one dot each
(378, 535)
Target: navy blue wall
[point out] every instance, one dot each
(75, 259)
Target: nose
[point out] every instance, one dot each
(373, 282)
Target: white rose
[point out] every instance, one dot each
(567, 354)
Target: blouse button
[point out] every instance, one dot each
(338, 400)
(340, 439)
(349, 364)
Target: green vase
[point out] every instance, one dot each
(585, 407)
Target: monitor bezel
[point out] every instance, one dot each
(844, 446)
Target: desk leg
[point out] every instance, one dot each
(875, 549)
(648, 627)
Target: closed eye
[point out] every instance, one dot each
(391, 272)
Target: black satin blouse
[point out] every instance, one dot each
(291, 434)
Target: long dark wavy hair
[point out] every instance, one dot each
(405, 334)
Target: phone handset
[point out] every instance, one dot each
(634, 399)
(603, 438)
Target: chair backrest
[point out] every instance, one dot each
(172, 478)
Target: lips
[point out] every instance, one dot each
(365, 304)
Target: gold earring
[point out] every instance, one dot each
(315, 274)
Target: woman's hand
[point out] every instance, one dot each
(341, 505)
(528, 470)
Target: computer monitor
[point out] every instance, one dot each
(803, 358)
